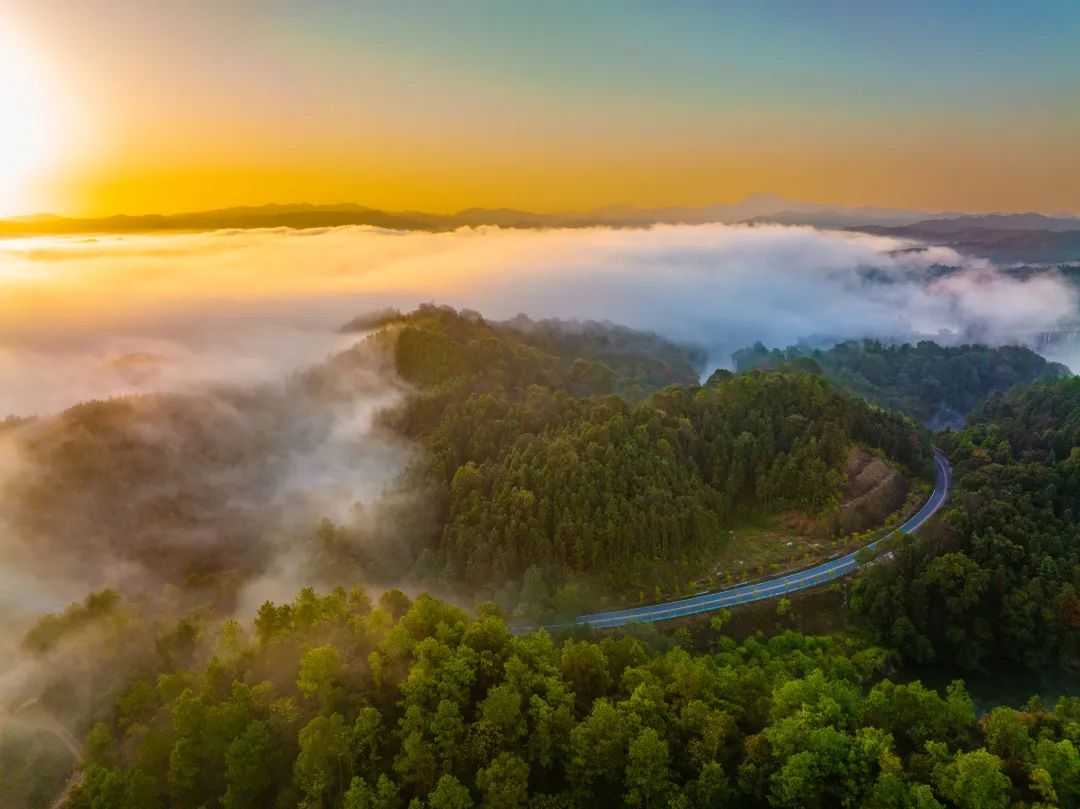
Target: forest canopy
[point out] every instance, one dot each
(999, 577)
(534, 464)
(935, 384)
(554, 466)
(338, 701)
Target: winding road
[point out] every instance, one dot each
(771, 588)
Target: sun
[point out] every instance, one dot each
(30, 129)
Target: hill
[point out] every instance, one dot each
(1001, 237)
(935, 384)
(545, 476)
(339, 701)
(519, 460)
(309, 216)
(1001, 576)
(545, 458)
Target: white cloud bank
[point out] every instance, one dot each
(94, 317)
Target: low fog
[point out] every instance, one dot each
(85, 318)
(159, 489)
(227, 321)
(247, 450)
(248, 416)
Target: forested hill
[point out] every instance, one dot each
(563, 454)
(201, 484)
(537, 470)
(1000, 578)
(935, 384)
(535, 477)
(340, 703)
(438, 347)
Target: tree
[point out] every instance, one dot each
(359, 795)
(319, 670)
(647, 777)
(249, 768)
(974, 781)
(184, 771)
(1006, 735)
(598, 750)
(324, 754)
(99, 744)
(140, 792)
(720, 620)
(584, 666)
(450, 793)
(504, 782)
(448, 732)
(365, 738)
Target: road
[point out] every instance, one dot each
(771, 588)
(48, 724)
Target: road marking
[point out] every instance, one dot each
(741, 594)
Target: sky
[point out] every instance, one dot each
(126, 106)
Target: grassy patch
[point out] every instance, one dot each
(34, 766)
(764, 547)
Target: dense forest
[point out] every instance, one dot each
(174, 487)
(935, 384)
(449, 449)
(551, 466)
(337, 702)
(532, 476)
(999, 576)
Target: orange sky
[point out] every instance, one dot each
(132, 107)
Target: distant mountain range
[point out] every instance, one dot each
(1013, 237)
(1026, 237)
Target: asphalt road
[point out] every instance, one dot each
(771, 588)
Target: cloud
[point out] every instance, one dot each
(133, 313)
(229, 315)
(215, 314)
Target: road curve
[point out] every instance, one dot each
(770, 588)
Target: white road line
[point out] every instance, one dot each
(746, 593)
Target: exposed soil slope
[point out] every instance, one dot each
(875, 490)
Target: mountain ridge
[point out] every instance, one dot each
(758, 208)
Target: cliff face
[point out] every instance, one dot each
(875, 490)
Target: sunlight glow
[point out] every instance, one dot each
(30, 126)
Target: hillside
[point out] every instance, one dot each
(338, 701)
(1001, 575)
(532, 462)
(532, 477)
(937, 385)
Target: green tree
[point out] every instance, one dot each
(324, 755)
(249, 766)
(360, 795)
(504, 782)
(647, 776)
(974, 781)
(320, 669)
(450, 793)
(366, 737)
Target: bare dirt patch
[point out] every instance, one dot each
(875, 490)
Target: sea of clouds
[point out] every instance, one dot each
(93, 317)
(215, 313)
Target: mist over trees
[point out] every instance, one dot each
(551, 466)
(533, 464)
(935, 384)
(341, 701)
